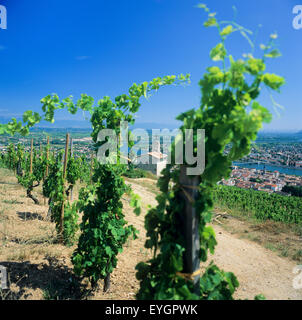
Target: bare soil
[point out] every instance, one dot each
(39, 268)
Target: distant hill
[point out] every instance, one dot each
(154, 125)
(57, 124)
(279, 137)
(85, 124)
(61, 124)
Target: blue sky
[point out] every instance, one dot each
(101, 47)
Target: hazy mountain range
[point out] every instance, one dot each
(82, 124)
(85, 124)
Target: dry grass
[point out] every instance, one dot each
(40, 268)
(284, 239)
(148, 184)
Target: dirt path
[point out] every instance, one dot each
(258, 270)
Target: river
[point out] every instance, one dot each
(268, 167)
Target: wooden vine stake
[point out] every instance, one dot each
(91, 166)
(71, 155)
(64, 176)
(47, 157)
(189, 230)
(30, 188)
(31, 156)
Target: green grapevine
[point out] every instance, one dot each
(263, 205)
(229, 114)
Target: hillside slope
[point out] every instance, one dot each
(39, 268)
